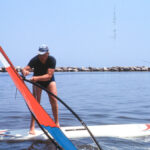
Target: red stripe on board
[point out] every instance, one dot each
(3, 131)
(34, 106)
(147, 127)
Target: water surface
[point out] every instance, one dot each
(99, 98)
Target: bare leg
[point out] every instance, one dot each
(52, 88)
(37, 94)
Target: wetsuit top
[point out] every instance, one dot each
(41, 69)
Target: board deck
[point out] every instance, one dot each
(122, 131)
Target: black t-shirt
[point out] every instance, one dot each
(39, 67)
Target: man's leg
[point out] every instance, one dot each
(37, 94)
(52, 88)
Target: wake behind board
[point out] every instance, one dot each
(121, 131)
(41, 116)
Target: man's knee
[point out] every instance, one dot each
(52, 87)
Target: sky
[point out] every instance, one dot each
(78, 32)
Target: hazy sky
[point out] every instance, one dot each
(78, 32)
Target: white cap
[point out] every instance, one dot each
(43, 49)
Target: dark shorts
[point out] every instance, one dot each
(46, 83)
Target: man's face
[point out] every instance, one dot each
(44, 57)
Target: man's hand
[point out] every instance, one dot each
(34, 79)
(25, 72)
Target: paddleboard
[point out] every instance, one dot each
(74, 132)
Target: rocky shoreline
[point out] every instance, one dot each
(93, 69)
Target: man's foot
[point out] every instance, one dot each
(58, 124)
(32, 132)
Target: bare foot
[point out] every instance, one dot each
(58, 124)
(32, 132)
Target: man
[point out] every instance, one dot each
(44, 67)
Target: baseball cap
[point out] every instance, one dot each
(43, 49)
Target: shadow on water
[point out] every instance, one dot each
(27, 145)
(107, 143)
(41, 145)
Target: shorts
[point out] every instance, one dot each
(46, 83)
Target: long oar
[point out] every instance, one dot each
(81, 121)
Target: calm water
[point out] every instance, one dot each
(98, 98)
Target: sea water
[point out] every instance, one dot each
(99, 98)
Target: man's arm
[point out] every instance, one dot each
(44, 77)
(26, 70)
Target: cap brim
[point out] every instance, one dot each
(42, 53)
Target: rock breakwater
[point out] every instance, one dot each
(92, 69)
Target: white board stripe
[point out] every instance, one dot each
(4, 61)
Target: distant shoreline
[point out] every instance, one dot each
(93, 69)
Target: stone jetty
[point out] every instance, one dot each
(101, 69)
(93, 69)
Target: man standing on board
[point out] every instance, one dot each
(44, 67)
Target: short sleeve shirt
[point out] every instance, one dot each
(39, 67)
